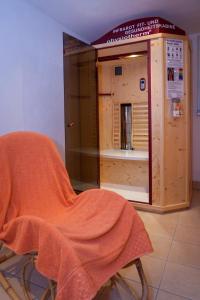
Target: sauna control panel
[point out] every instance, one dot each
(142, 84)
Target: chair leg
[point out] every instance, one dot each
(52, 288)
(3, 281)
(142, 279)
(6, 256)
(141, 274)
(46, 294)
(8, 288)
(49, 292)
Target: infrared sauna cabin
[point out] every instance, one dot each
(141, 148)
(144, 113)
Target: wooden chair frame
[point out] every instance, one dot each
(50, 291)
(3, 281)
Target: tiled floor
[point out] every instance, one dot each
(172, 270)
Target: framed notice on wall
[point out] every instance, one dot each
(175, 68)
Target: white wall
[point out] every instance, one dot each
(31, 71)
(195, 118)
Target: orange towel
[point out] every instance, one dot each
(82, 240)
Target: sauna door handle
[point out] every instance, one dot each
(70, 124)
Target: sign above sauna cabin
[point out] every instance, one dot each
(138, 28)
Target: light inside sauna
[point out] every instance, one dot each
(133, 55)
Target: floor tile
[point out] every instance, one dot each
(153, 269)
(185, 254)
(161, 246)
(163, 225)
(122, 290)
(125, 290)
(167, 296)
(149, 217)
(164, 230)
(137, 287)
(187, 234)
(190, 217)
(181, 280)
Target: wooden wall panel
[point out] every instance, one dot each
(170, 136)
(175, 158)
(157, 109)
(126, 88)
(176, 141)
(105, 107)
(130, 48)
(124, 172)
(114, 90)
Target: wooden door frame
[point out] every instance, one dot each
(149, 118)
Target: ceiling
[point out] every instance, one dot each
(90, 19)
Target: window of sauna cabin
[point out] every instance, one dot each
(123, 127)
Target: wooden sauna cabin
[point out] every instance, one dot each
(144, 103)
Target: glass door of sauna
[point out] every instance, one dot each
(81, 125)
(124, 126)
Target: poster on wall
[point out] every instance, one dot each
(174, 66)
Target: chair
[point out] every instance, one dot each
(78, 242)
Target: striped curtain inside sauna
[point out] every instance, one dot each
(139, 126)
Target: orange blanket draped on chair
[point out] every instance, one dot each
(81, 240)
